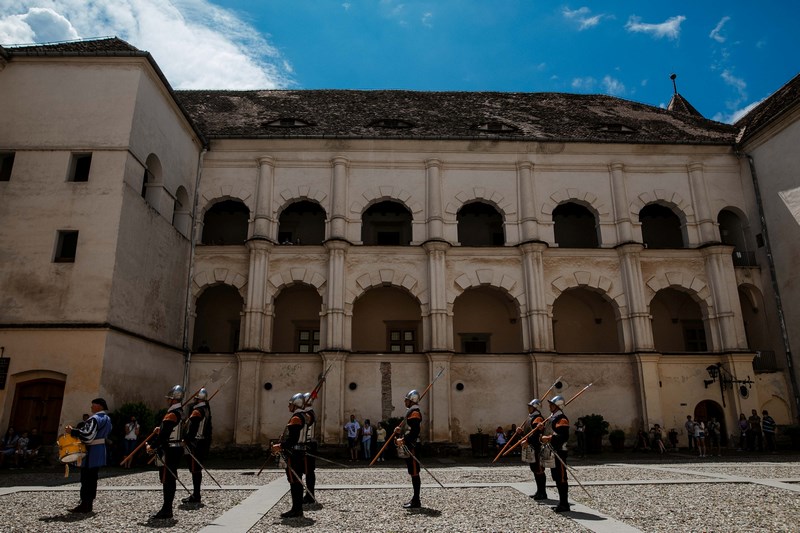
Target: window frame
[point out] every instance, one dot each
(6, 165)
(64, 238)
(77, 174)
(402, 327)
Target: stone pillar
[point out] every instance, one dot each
(332, 406)
(649, 388)
(441, 330)
(248, 399)
(527, 202)
(641, 327)
(338, 215)
(337, 335)
(263, 221)
(439, 397)
(726, 323)
(255, 318)
(538, 324)
(622, 214)
(705, 223)
(435, 218)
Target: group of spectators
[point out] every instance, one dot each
(501, 437)
(19, 448)
(757, 433)
(364, 439)
(704, 437)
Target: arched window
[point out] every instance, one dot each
(218, 316)
(486, 320)
(295, 326)
(480, 224)
(182, 212)
(386, 224)
(585, 311)
(152, 180)
(661, 227)
(677, 322)
(575, 226)
(226, 223)
(302, 223)
(386, 319)
(734, 233)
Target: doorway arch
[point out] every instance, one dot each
(37, 404)
(707, 409)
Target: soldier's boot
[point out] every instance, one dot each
(308, 498)
(166, 507)
(197, 480)
(541, 487)
(296, 489)
(563, 500)
(415, 503)
(81, 508)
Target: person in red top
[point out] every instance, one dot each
(409, 442)
(293, 449)
(559, 424)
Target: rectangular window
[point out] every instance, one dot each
(475, 342)
(402, 338)
(79, 167)
(6, 164)
(66, 246)
(694, 336)
(307, 340)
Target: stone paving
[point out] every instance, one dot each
(676, 494)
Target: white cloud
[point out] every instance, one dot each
(196, 44)
(670, 28)
(346, 6)
(738, 84)
(581, 16)
(613, 86)
(731, 118)
(427, 19)
(584, 84)
(716, 33)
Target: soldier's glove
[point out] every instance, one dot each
(400, 442)
(545, 438)
(149, 449)
(275, 449)
(519, 430)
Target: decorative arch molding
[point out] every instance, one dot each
(480, 194)
(589, 280)
(694, 286)
(38, 373)
(386, 193)
(586, 198)
(488, 277)
(206, 279)
(666, 198)
(209, 198)
(297, 276)
(392, 278)
(302, 192)
(753, 294)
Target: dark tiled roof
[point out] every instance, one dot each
(458, 115)
(774, 106)
(679, 104)
(106, 46)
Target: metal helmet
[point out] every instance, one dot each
(297, 400)
(558, 401)
(307, 399)
(413, 396)
(536, 403)
(175, 393)
(202, 394)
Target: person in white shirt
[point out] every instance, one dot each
(353, 428)
(131, 437)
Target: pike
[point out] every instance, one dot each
(290, 469)
(570, 470)
(189, 451)
(316, 389)
(403, 421)
(173, 474)
(327, 460)
(423, 466)
(519, 429)
(543, 422)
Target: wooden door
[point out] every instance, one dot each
(37, 404)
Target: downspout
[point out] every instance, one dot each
(187, 353)
(774, 280)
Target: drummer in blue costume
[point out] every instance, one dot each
(93, 434)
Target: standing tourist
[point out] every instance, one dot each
(93, 434)
(768, 426)
(689, 425)
(353, 428)
(754, 434)
(131, 436)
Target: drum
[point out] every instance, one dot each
(70, 449)
(528, 454)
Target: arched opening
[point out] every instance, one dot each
(733, 232)
(296, 320)
(575, 226)
(386, 224)
(152, 180)
(37, 405)
(225, 223)
(704, 412)
(486, 320)
(302, 222)
(386, 319)
(585, 311)
(480, 224)
(756, 329)
(677, 322)
(661, 227)
(182, 212)
(218, 318)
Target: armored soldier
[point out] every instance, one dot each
(198, 440)
(533, 455)
(407, 445)
(292, 449)
(166, 444)
(559, 425)
(311, 447)
(93, 434)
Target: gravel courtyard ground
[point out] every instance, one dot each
(677, 493)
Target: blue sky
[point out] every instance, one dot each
(728, 55)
